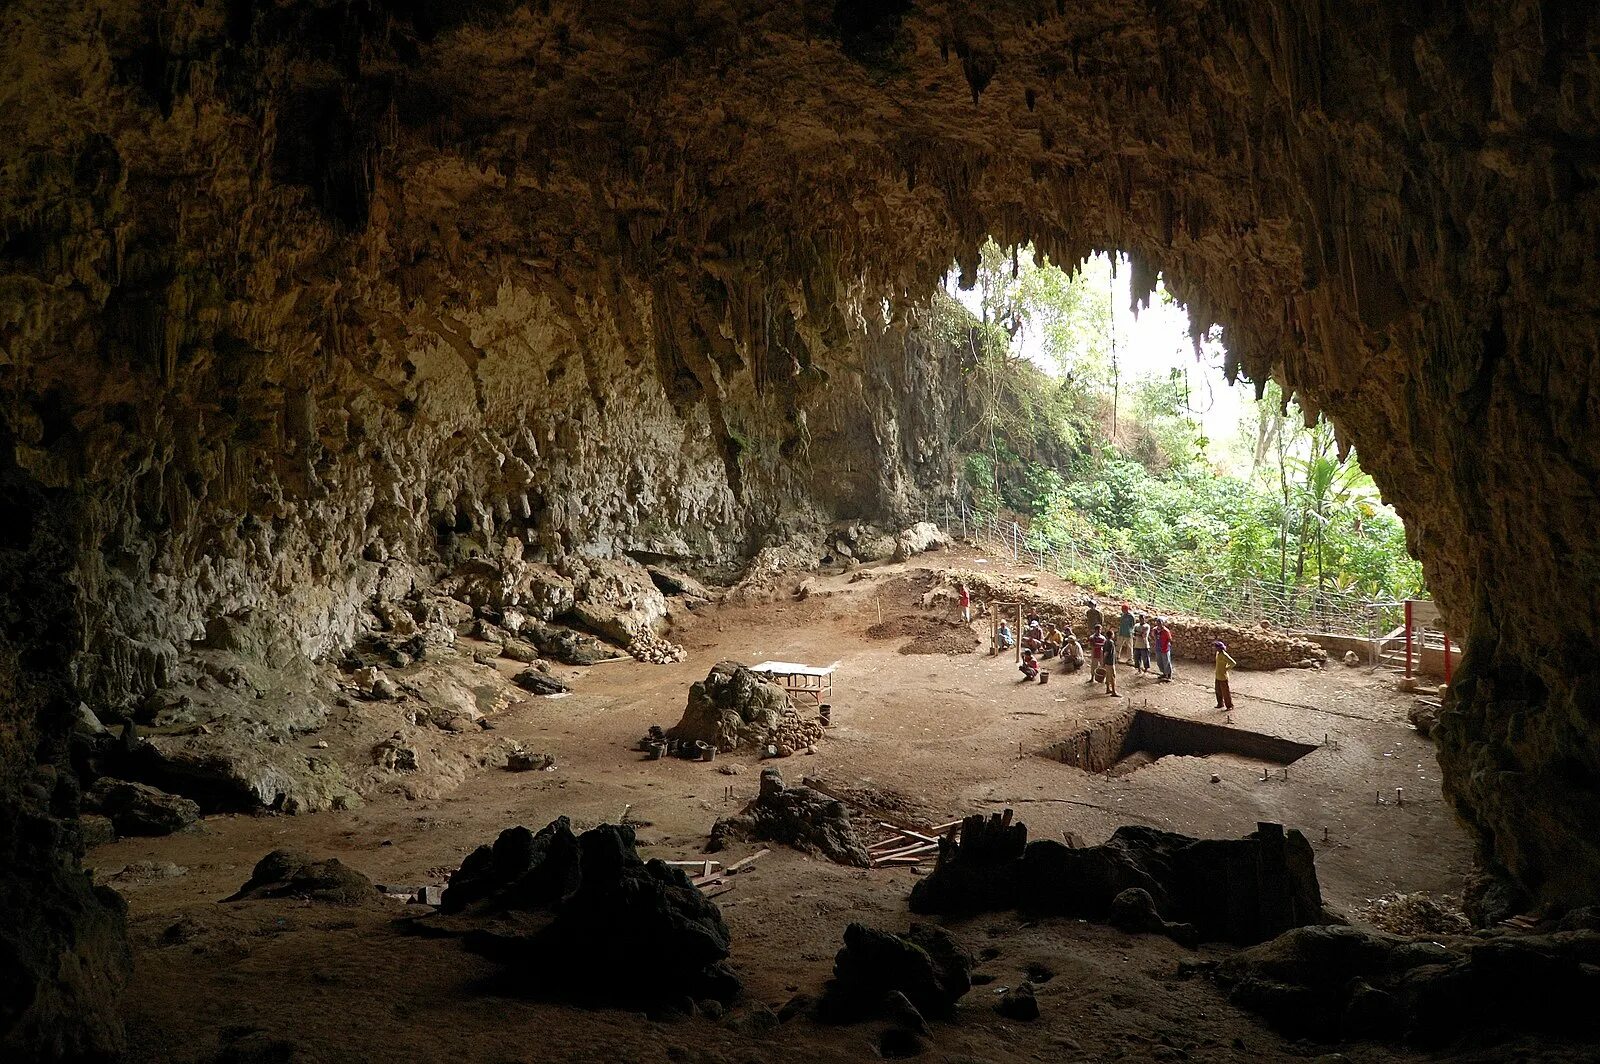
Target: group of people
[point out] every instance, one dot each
(1136, 639)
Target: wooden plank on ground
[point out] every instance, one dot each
(745, 862)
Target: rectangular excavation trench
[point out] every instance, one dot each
(1138, 737)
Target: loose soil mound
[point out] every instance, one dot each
(930, 635)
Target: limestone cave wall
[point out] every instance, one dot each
(296, 298)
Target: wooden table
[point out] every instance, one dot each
(814, 682)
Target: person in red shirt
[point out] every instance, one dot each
(966, 603)
(1029, 666)
(1163, 647)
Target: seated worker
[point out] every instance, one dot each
(1072, 653)
(1029, 666)
(1033, 636)
(1053, 641)
(1003, 638)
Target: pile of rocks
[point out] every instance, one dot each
(792, 735)
(583, 917)
(654, 650)
(1196, 890)
(730, 708)
(794, 816)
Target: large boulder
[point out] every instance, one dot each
(292, 874)
(567, 646)
(918, 539)
(928, 966)
(1337, 983)
(585, 918)
(139, 809)
(614, 597)
(731, 707)
(231, 770)
(1234, 890)
(509, 583)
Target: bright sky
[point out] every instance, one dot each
(1152, 344)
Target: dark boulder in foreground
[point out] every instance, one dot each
(1242, 891)
(583, 917)
(925, 966)
(1337, 983)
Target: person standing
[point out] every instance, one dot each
(1098, 644)
(1125, 635)
(1225, 665)
(1110, 665)
(965, 597)
(1163, 645)
(1092, 619)
(1141, 644)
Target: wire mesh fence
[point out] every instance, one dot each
(1220, 595)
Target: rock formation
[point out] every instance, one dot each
(1338, 983)
(795, 816)
(296, 318)
(291, 874)
(583, 917)
(926, 966)
(1142, 879)
(730, 708)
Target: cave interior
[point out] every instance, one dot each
(306, 304)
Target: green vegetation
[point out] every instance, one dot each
(1119, 473)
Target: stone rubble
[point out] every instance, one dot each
(654, 650)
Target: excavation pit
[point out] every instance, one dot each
(1139, 737)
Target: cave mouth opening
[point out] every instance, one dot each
(1140, 737)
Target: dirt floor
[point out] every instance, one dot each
(936, 735)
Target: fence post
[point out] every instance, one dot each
(1016, 542)
(1408, 638)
